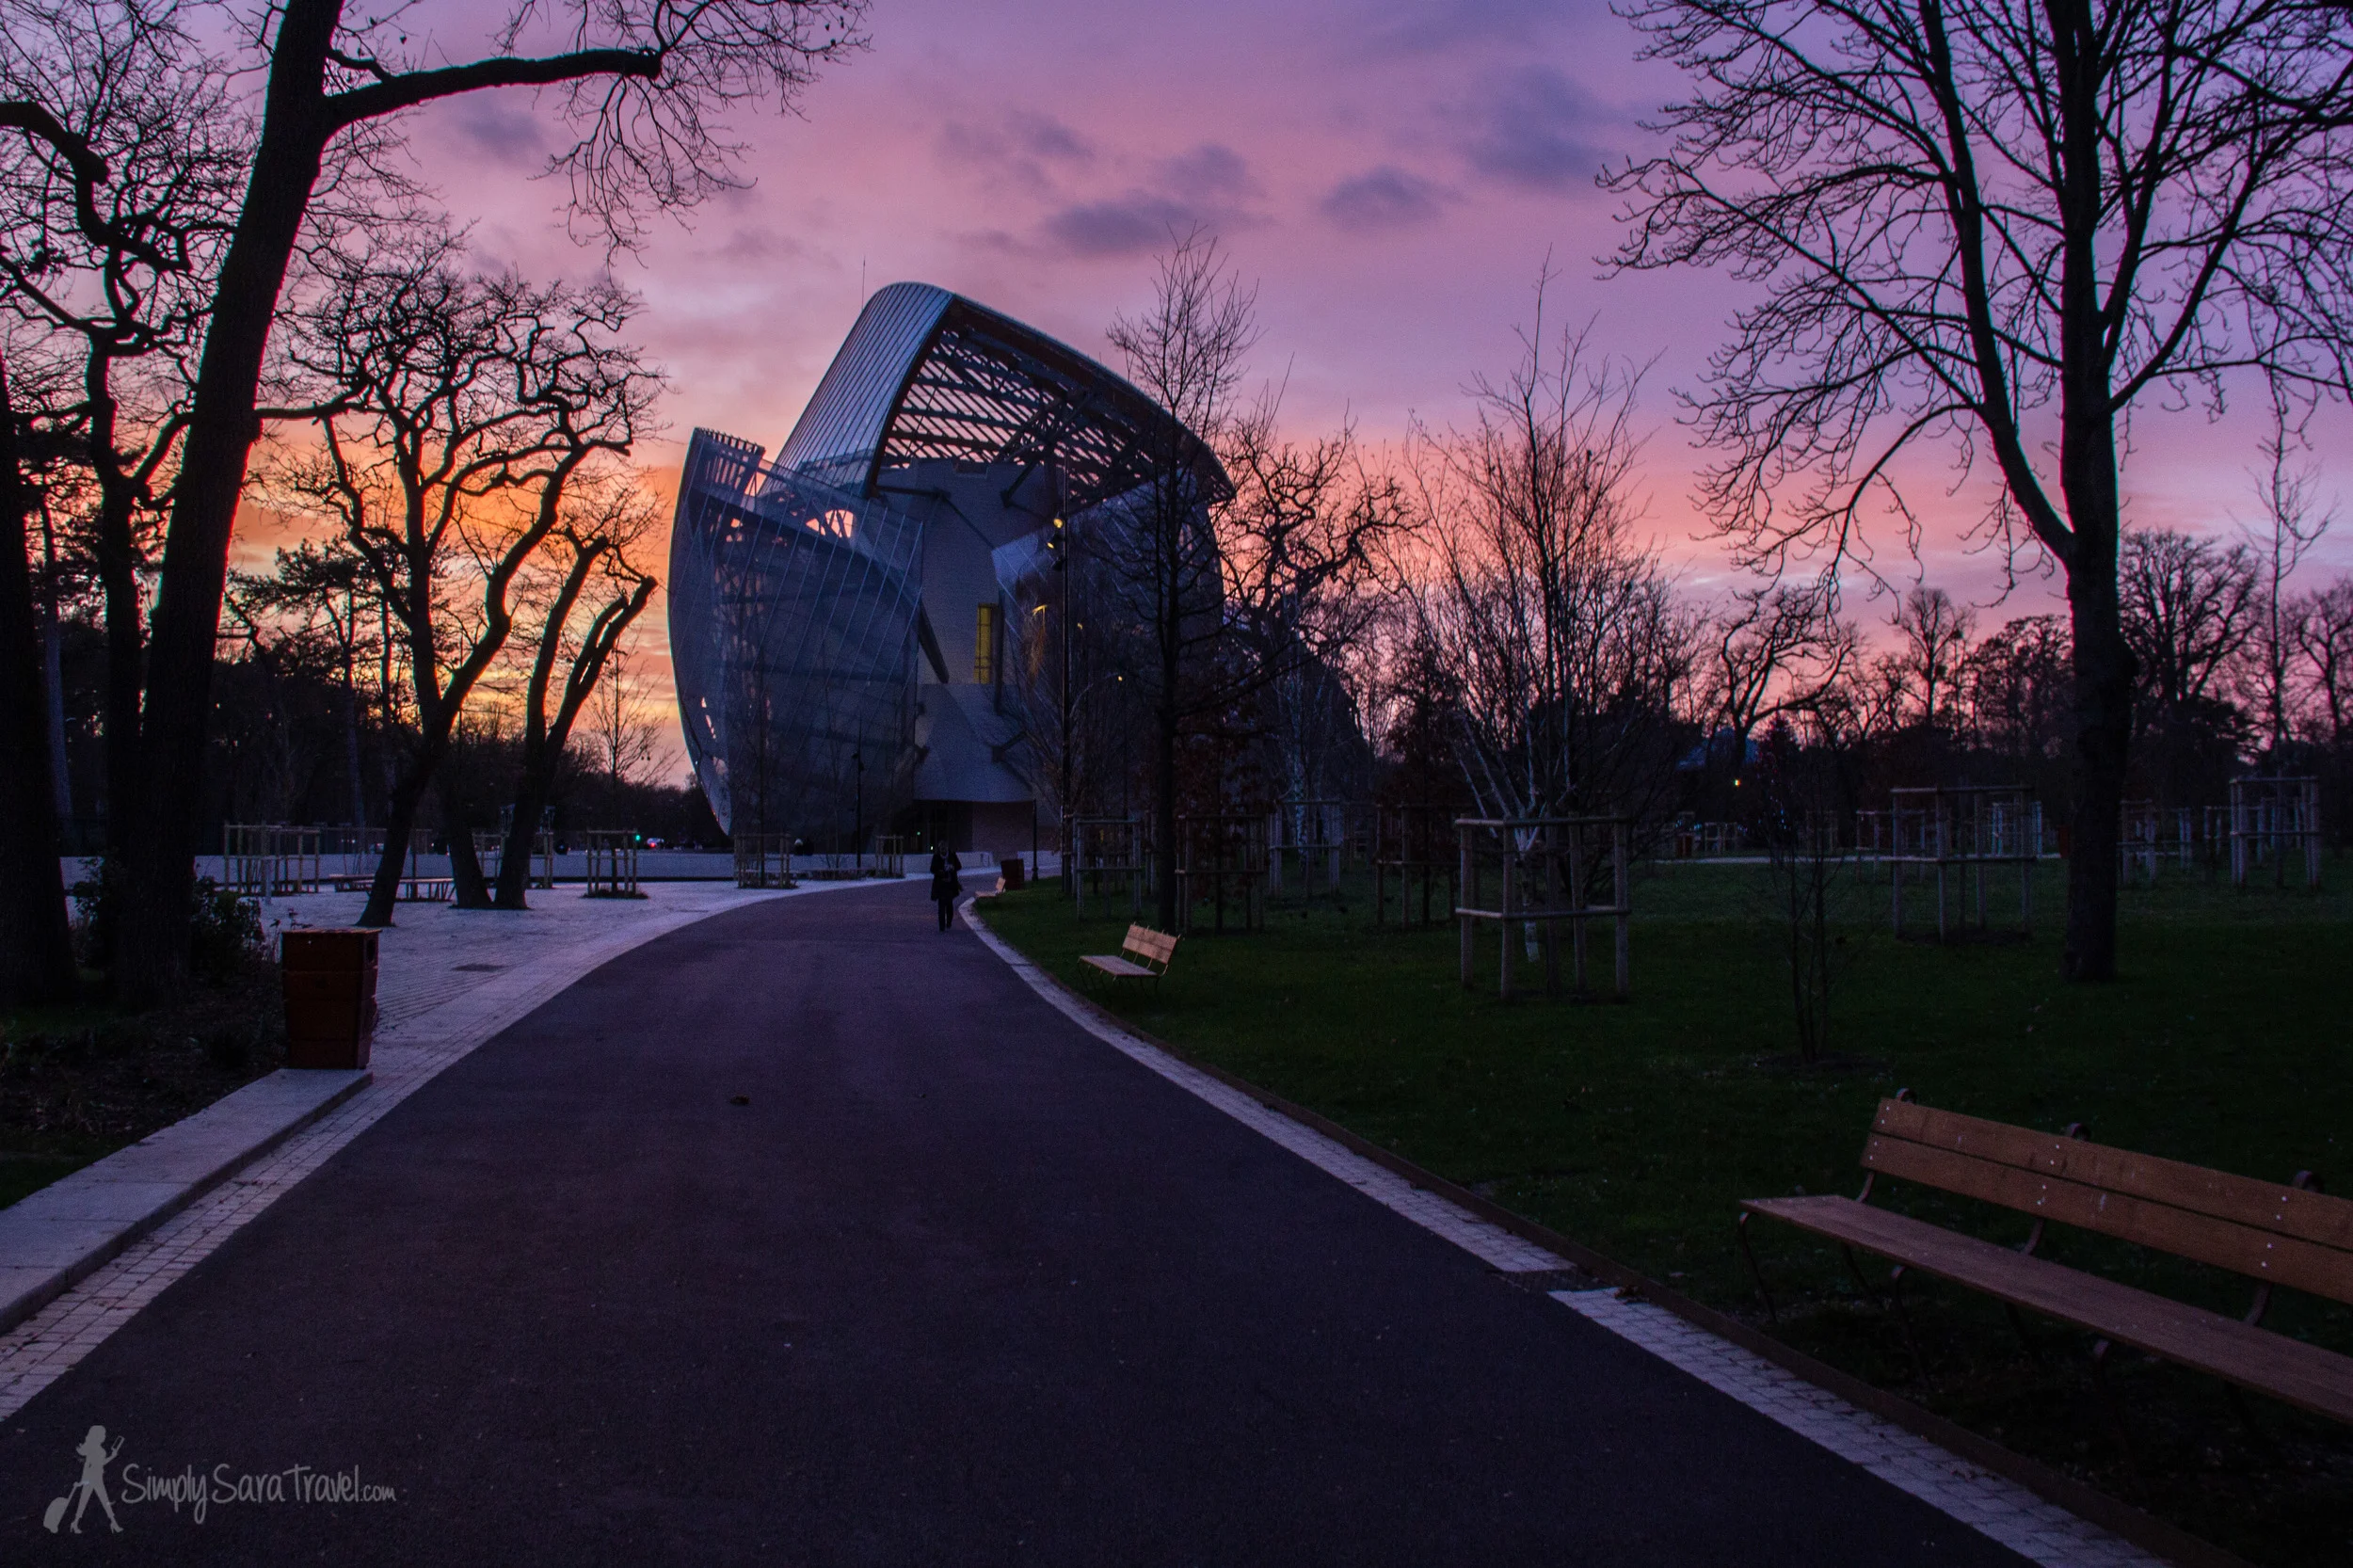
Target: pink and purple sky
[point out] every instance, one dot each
(1391, 173)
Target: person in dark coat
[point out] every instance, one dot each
(947, 885)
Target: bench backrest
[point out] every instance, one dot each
(1153, 947)
(2265, 1230)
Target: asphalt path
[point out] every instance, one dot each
(959, 1284)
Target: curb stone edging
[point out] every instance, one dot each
(2120, 1519)
(53, 1239)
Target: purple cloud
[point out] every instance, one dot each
(1539, 129)
(1123, 226)
(1206, 187)
(502, 126)
(1209, 172)
(1382, 198)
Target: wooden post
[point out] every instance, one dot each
(2311, 792)
(1466, 896)
(2238, 834)
(1552, 901)
(1621, 837)
(1503, 983)
(1579, 896)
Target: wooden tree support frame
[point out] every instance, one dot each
(1309, 843)
(2274, 820)
(1106, 851)
(1413, 850)
(1541, 871)
(1221, 861)
(271, 860)
(489, 851)
(764, 860)
(612, 865)
(1962, 832)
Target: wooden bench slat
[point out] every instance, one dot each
(1153, 947)
(2315, 1217)
(2263, 1254)
(2304, 1375)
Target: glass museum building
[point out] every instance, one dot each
(849, 620)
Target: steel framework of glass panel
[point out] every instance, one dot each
(834, 614)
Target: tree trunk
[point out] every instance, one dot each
(400, 822)
(35, 945)
(118, 577)
(531, 800)
(1165, 819)
(351, 753)
(53, 681)
(468, 887)
(2088, 479)
(2103, 716)
(166, 820)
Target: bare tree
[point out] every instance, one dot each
(323, 594)
(1160, 553)
(1934, 634)
(452, 413)
(588, 568)
(1976, 222)
(36, 950)
(1770, 652)
(2188, 617)
(2324, 637)
(623, 739)
(645, 85)
(2016, 683)
(2186, 605)
(116, 274)
(1302, 545)
(1558, 624)
(2293, 522)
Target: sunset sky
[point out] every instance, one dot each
(1393, 175)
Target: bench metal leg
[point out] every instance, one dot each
(1862, 1284)
(1903, 1316)
(1754, 1273)
(2025, 1341)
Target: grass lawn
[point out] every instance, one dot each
(1636, 1129)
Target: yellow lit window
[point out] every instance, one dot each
(984, 646)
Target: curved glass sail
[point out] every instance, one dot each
(837, 616)
(792, 615)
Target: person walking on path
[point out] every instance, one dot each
(946, 884)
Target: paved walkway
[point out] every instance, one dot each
(805, 1233)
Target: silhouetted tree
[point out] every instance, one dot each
(452, 413)
(643, 83)
(588, 567)
(1967, 220)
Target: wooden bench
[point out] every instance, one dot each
(413, 890)
(2285, 1234)
(1151, 947)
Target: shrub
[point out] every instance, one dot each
(225, 930)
